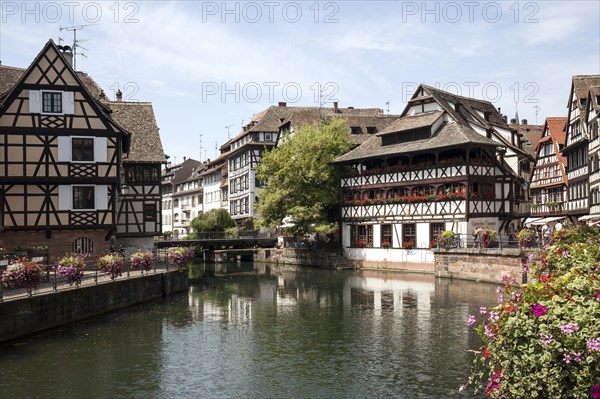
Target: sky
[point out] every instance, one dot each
(209, 66)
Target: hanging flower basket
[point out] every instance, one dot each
(526, 238)
(180, 256)
(70, 269)
(111, 264)
(141, 260)
(23, 274)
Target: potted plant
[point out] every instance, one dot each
(111, 264)
(179, 256)
(488, 236)
(447, 239)
(71, 268)
(526, 238)
(141, 260)
(22, 274)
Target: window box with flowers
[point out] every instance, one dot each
(22, 274)
(386, 244)
(70, 269)
(526, 238)
(111, 264)
(409, 244)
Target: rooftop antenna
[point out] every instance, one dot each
(228, 134)
(537, 111)
(74, 29)
(388, 107)
(200, 137)
(216, 149)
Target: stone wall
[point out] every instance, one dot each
(328, 258)
(479, 264)
(25, 316)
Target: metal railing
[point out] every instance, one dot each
(51, 282)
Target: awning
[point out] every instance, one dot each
(589, 217)
(548, 220)
(529, 221)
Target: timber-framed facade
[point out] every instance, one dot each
(549, 183)
(61, 158)
(449, 163)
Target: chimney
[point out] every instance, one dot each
(505, 118)
(281, 104)
(500, 110)
(335, 107)
(486, 115)
(67, 54)
(350, 107)
(119, 95)
(513, 121)
(523, 121)
(184, 158)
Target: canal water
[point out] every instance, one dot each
(260, 331)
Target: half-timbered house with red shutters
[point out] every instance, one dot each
(593, 127)
(549, 182)
(61, 159)
(448, 163)
(576, 146)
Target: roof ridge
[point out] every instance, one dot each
(457, 95)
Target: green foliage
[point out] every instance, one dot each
(447, 238)
(301, 182)
(543, 338)
(526, 237)
(215, 220)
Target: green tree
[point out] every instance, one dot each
(301, 182)
(215, 220)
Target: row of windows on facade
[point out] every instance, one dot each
(238, 184)
(578, 159)
(556, 194)
(265, 136)
(578, 190)
(547, 172)
(364, 233)
(185, 217)
(239, 207)
(239, 162)
(212, 178)
(193, 201)
(215, 196)
(188, 186)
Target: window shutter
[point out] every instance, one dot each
(64, 198)
(35, 101)
(64, 149)
(100, 149)
(68, 102)
(101, 193)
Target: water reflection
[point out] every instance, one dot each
(271, 332)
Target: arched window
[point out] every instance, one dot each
(82, 245)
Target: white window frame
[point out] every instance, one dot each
(65, 197)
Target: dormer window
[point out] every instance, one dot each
(51, 102)
(355, 130)
(371, 129)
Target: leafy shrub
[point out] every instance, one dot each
(543, 338)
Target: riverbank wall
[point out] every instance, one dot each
(480, 264)
(474, 264)
(25, 316)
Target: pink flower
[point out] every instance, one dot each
(538, 310)
(569, 328)
(596, 392)
(594, 344)
(546, 338)
(567, 358)
(483, 310)
(471, 320)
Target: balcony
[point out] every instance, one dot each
(400, 174)
(548, 208)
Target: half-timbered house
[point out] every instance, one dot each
(449, 163)
(549, 179)
(576, 146)
(61, 159)
(593, 127)
(187, 196)
(215, 184)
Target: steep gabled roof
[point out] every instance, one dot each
(189, 167)
(532, 133)
(138, 118)
(412, 122)
(581, 86)
(553, 131)
(468, 110)
(452, 134)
